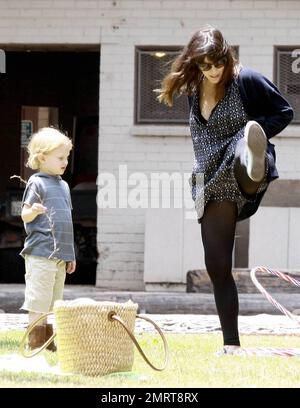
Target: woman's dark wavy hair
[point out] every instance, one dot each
(185, 75)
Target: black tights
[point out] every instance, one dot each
(218, 229)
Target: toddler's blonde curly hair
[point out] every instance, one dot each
(44, 141)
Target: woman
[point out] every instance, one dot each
(233, 113)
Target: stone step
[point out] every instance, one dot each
(12, 296)
(198, 282)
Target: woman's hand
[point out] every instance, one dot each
(70, 266)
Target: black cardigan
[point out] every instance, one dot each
(263, 103)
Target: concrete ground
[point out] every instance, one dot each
(188, 323)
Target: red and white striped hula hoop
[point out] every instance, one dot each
(272, 351)
(268, 296)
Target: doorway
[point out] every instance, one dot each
(58, 86)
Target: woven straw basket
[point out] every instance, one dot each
(95, 338)
(88, 342)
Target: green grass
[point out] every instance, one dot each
(192, 364)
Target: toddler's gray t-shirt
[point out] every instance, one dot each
(55, 195)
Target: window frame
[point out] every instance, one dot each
(137, 77)
(276, 70)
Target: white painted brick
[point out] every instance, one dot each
(155, 14)
(288, 4)
(278, 14)
(9, 22)
(113, 273)
(167, 22)
(54, 13)
(16, 4)
(176, 4)
(30, 13)
(127, 247)
(153, 5)
(122, 228)
(69, 13)
(41, 4)
(87, 4)
(127, 257)
(112, 219)
(268, 4)
(117, 212)
(254, 25)
(164, 156)
(123, 274)
(120, 284)
(110, 265)
(10, 13)
(258, 23)
(242, 4)
(63, 4)
(6, 32)
(218, 4)
(121, 238)
(249, 15)
(230, 15)
(293, 33)
(4, 4)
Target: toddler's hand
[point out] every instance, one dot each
(70, 266)
(38, 208)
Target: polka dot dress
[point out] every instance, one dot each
(214, 142)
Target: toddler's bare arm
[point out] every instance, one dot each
(29, 213)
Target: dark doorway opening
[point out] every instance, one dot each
(64, 83)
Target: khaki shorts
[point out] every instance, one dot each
(45, 279)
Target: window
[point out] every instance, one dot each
(152, 64)
(287, 76)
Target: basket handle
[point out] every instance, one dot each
(28, 331)
(113, 316)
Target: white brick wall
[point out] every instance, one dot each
(118, 26)
(288, 154)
